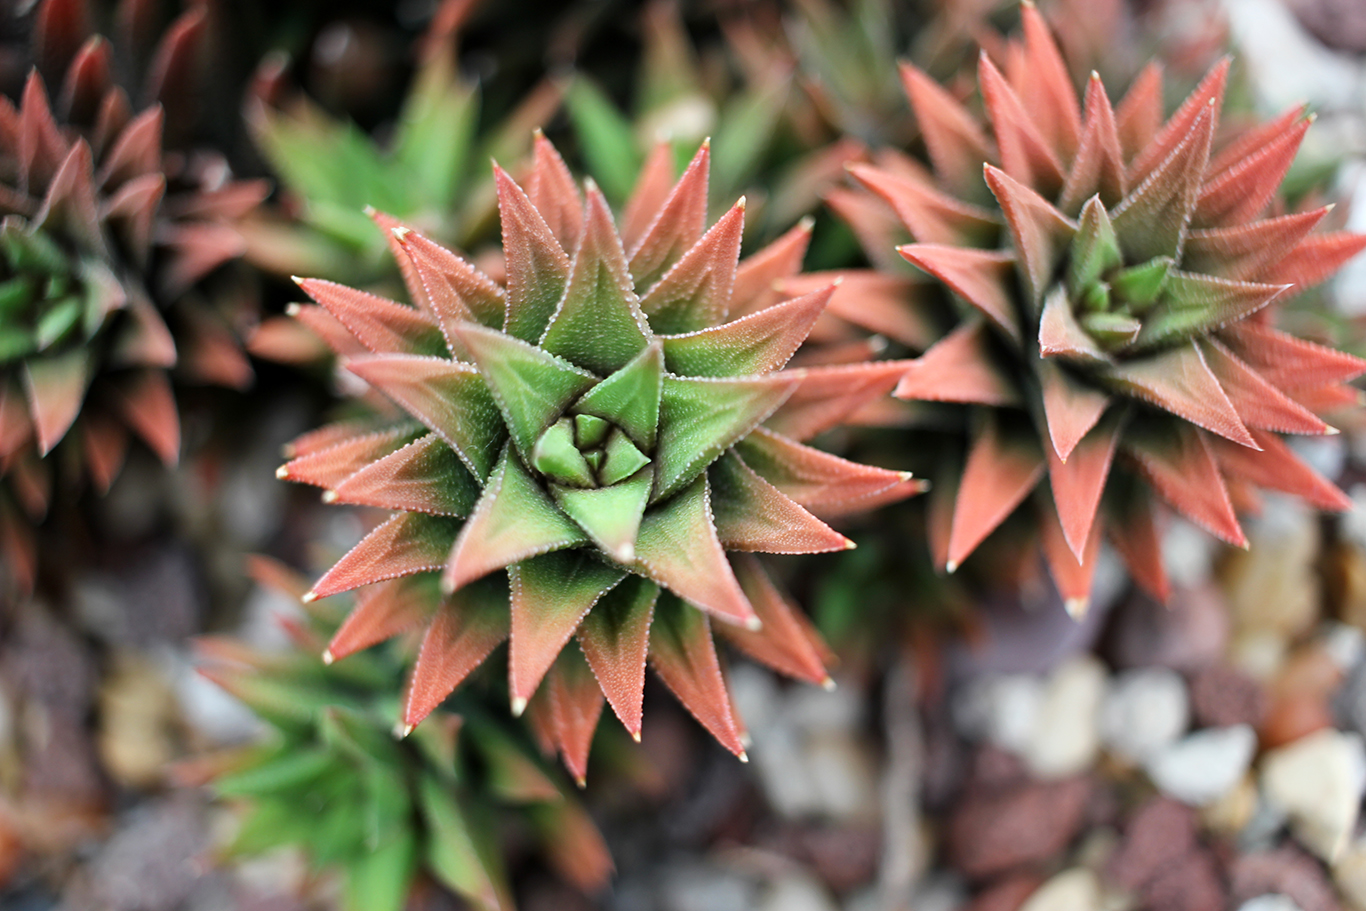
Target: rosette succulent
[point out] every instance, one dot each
(1113, 282)
(334, 781)
(604, 426)
(102, 242)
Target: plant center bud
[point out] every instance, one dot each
(583, 450)
(41, 303)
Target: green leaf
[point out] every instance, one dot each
(623, 459)
(609, 143)
(1139, 286)
(556, 456)
(282, 772)
(1094, 250)
(610, 515)
(452, 847)
(701, 418)
(15, 296)
(380, 879)
(532, 387)
(630, 398)
(744, 132)
(57, 321)
(436, 132)
(271, 823)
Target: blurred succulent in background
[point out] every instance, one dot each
(333, 779)
(431, 173)
(104, 244)
(739, 95)
(605, 445)
(1112, 282)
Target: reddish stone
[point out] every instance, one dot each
(1158, 835)
(993, 769)
(1288, 871)
(1007, 895)
(1222, 696)
(1190, 882)
(993, 833)
(1294, 716)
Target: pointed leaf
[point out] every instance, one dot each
(575, 707)
(1259, 404)
(1247, 251)
(380, 325)
(1288, 362)
(551, 594)
(424, 476)
(327, 462)
(953, 137)
(406, 544)
(758, 343)
(1025, 154)
(382, 612)
(630, 398)
(1132, 529)
(684, 656)
(1139, 115)
(452, 852)
(1180, 381)
(532, 387)
(598, 324)
(931, 216)
(756, 274)
(454, 289)
(1047, 86)
(1072, 568)
(958, 368)
(147, 404)
(615, 637)
(647, 198)
(1153, 219)
(678, 225)
(1041, 233)
(1277, 467)
(826, 396)
(1196, 304)
(55, 387)
(753, 515)
(811, 477)
(696, 291)
(1206, 99)
(537, 266)
(788, 642)
(1071, 408)
(609, 515)
(450, 398)
(678, 548)
(1098, 168)
(701, 418)
(1176, 460)
(1078, 483)
(1061, 336)
(551, 190)
(1000, 472)
(513, 521)
(1243, 191)
(980, 277)
(1316, 258)
(1095, 249)
(467, 626)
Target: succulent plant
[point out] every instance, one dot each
(430, 172)
(104, 238)
(605, 445)
(1114, 283)
(334, 780)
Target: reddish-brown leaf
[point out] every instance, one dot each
(465, 629)
(1243, 191)
(551, 189)
(753, 515)
(757, 274)
(1078, 483)
(1025, 154)
(1098, 168)
(1179, 465)
(1259, 404)
(382, 611)
(811, 477)
(1248, 251)
(381, 325)
(952, 135)
(1000, 473)
(678, 225)
(1207, 97)
(326, 458)
(826, 396)
(1041, 233)
(684, 656)
(1277, 467)
(615, 637)
(932, 217)
(1181, 382)
(146, 403)
(408, 543)
(648, 197)
(980, 277)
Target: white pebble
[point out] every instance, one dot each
(1065, 739)
(1203, 767)
(1144, 711)
(1318, 782)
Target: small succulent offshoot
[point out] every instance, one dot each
(1115, 280)
(604, 427)
(334, 781)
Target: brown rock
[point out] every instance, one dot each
(1286, 870)
(1300, 696)
(993, 769)
(1339, 24)
(1007, 895)
(1190, 883)
(1185, 635)
(1159, 833)
(991, 833)
(1222, 696)
(1294, 716)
